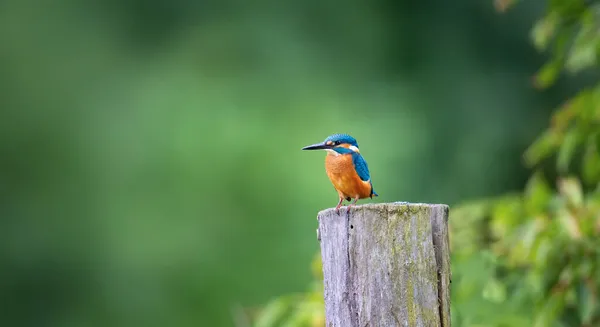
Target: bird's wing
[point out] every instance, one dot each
(360, 165)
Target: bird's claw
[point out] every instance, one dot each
(337, 208)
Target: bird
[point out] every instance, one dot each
(346, 168)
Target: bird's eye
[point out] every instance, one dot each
(337, 142)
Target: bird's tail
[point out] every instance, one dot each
(373, 193)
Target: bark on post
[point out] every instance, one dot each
(386, 265)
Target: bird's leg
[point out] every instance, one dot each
(337, 209)
(351, 204)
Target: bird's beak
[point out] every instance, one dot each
(318, 146)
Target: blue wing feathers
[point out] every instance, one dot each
(362, 169)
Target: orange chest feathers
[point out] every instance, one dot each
(340, 170)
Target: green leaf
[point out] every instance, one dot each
(494, 291)
(567, 149)
(583, 52)
(571, 189)
(548, 74)
(562, 117)
(575, 111)
(550, 71)
(586, 303)
(543, 30)
(551, 310)
(537, 193)
(591, 162)
(581, 57)
(569, 223)
(544, 146)
(540, 252)
(570, 9)
(530, 240)
(274, 312)
(505, 213)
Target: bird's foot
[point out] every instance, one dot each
(337, 208)
(350, 206)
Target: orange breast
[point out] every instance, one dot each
(343, 176)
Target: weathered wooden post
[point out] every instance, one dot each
(386, 265)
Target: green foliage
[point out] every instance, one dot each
(297, 310)
(150, 150)
(533, 258)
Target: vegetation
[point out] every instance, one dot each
(151, 172)
(530, 258)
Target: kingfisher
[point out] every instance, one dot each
(346, 168)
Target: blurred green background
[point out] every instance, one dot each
(150, 150)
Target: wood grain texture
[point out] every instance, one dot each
(386, 265)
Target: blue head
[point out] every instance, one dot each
(336, 142)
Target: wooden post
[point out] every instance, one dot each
(386, 265)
